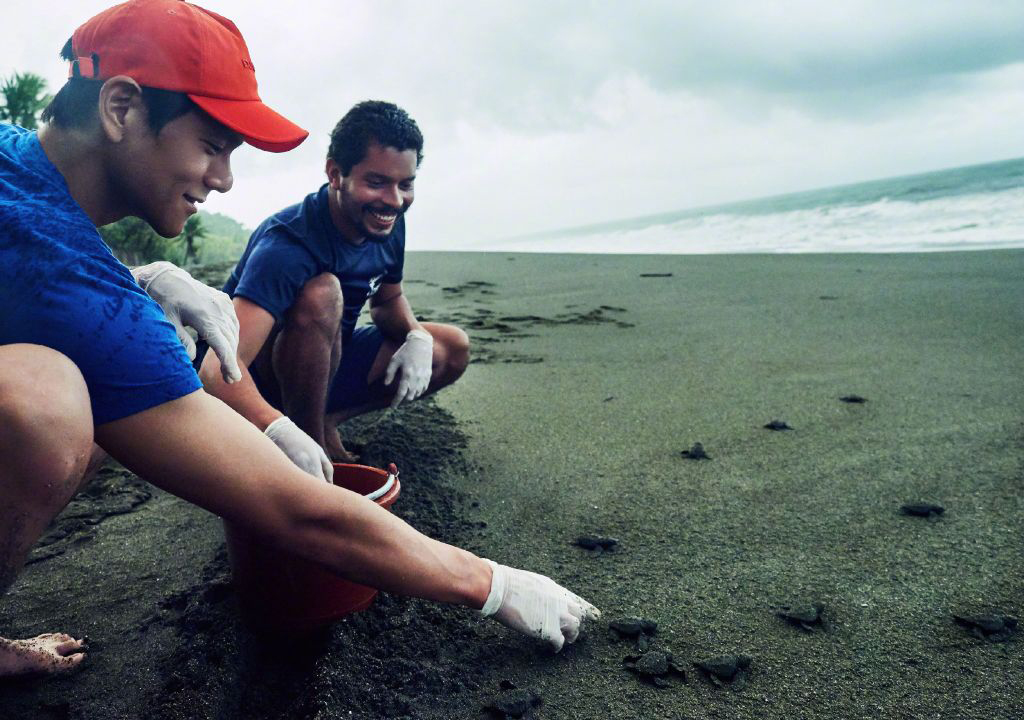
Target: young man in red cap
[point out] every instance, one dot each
(160, 94)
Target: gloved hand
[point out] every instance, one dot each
(536, 605)
(415, 359)
(186, 301)
(300, 448)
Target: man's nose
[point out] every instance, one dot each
(219, 177)
(393, 197)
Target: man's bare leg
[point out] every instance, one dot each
(45, 450)
(307, 351)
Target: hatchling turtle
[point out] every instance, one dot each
(633, 627)
(777, 425)
(726, 669)
(654, 666)
(596, 544)
(925, 510)
(696, 452)
(805, 617)
(995, 628)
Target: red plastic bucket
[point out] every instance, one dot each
(281, 592)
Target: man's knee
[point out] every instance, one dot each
(46, 416)
(319, 304)
(451, 349)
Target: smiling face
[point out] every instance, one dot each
(366, 203)
(161, 177)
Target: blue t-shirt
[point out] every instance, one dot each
(293, 246)
(61, 287)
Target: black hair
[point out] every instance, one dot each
(74, 105)
(373, 121)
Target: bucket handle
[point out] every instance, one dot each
(383, 489)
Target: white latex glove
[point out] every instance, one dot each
(186, 301)
(300, 448)
(536, 605)
(415, 359)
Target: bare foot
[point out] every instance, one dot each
(334, 448)
(43, 655)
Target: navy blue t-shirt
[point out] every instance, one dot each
(293, 246)
(61, 287)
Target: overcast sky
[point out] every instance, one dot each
(546, 114)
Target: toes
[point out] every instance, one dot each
(69, 647)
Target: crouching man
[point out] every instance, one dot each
(302, 282)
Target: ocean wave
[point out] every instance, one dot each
(960, 222)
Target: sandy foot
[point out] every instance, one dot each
(334, 448)
(47, 654)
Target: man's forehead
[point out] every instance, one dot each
(387, 159)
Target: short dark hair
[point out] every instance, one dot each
(373, 121)
(74, 105)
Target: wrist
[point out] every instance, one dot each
(495, 590)
(472, 580)
(275, 424)
(420, 334)
(264, 421)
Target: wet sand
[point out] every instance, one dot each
(591, 375)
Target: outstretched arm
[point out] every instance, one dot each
(199, 449)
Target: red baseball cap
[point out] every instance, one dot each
(177, 46)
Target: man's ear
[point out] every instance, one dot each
(119, 105)
(333, 174)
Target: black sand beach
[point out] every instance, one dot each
(592, 375)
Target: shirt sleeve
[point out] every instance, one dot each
(274, 274)
(117, 336)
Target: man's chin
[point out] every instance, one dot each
(376, 236)
(166, 228)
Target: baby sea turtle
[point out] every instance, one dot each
(654, 666)
(856, 399)
(806, 617)
(695, 453)
(777, 425)
(995, 628)
(633, 627)
(596, 544)
(514, 703)
(726, 669)
(925, 510)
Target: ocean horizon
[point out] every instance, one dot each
(975, 207)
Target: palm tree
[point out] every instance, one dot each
(24, 97)
(193, 232)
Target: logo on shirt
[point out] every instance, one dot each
(375, 283)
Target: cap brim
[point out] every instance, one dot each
(258, 125)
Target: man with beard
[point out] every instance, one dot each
(303, 280)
